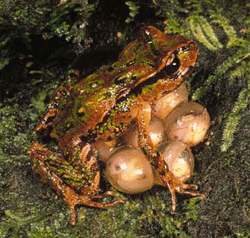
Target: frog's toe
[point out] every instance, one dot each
(73, 198)
(84, 200)
(176, 186)
(189, 189)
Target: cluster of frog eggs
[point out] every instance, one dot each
(176, 125)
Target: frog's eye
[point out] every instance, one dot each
(172, 65)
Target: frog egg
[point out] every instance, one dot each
(188, 122)
(156, 133)
(179, 158)
(105, 149)
(129, 171)
(167, 103)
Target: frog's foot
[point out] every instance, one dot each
(176, 186)
(73, 199)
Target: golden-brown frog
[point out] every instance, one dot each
(101, 106)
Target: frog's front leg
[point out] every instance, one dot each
(143, 120)
(167, 179)
(77, 184)
(57, 104)
(139, 111)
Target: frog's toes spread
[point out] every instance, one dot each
(182, 188)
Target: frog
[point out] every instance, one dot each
(101, 106)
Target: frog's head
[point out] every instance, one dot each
(155, 55)
(173, 55)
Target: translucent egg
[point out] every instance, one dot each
(156, 133)
(129, 171)
(168, 102)
(105, 149)
(188, 122)
(179, 158)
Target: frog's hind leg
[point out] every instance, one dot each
(69, 182)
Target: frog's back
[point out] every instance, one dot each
(93, 97)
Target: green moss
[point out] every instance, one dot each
(233, 119)
(204, 33)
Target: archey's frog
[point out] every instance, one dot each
(101, 106)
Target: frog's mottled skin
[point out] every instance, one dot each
(99, 108)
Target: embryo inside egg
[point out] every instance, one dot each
(189, 123)
(156, 133)
(168, 102)
(179, 158)
(129, 171)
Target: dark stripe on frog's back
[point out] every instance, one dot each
(98, 90)
(72, 123)
(109, 124)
